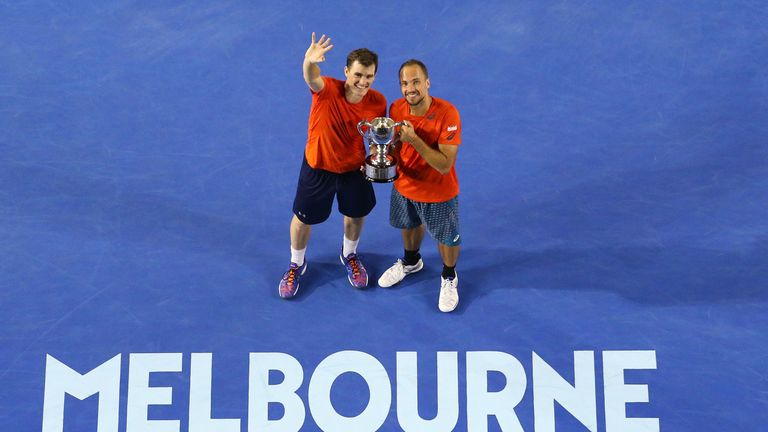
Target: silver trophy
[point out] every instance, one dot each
(380, 166)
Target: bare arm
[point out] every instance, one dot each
(315, 54)
(441, 159)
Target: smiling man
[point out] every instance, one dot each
(427, 192)
(332, 159)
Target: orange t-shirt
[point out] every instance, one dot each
(440, 125)
(333, 142)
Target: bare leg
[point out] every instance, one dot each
(449, 254)
(299, 233)
(353, 227)
(413, 237)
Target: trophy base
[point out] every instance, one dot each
(380, 174)
(381, 180)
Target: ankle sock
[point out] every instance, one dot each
(448, 272)
(349, 246)
(411, 257)
(297, 256)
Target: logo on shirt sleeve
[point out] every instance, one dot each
(452, 128)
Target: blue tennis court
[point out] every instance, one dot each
(614, 182)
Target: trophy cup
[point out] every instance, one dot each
(380, 166)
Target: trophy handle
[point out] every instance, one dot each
(360, 127)
(397, 137)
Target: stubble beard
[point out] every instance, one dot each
(414, 104)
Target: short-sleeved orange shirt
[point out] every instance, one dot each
(333, 142)
(440, 125)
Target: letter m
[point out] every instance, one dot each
(61, 380)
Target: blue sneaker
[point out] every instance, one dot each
(289, 284)
(356, 273)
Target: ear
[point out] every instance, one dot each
(427, 83)
(346, 71)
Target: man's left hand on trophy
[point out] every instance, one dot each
(407, 133)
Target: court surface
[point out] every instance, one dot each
(614, 181)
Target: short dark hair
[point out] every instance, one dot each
(412, 62)
(365, 57)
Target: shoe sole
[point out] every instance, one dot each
(341, 258)
(297, 286)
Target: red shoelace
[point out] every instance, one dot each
(291, 275)
(353, 264)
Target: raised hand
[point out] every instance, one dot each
(316, 51)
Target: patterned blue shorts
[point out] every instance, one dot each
(441, 219)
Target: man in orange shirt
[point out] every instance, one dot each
(332, 159)
(426, 194)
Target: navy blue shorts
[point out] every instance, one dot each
(317, 188)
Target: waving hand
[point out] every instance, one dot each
(316, 51)
(314, 55)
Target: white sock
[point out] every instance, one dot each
(297, 256)
(350, 246)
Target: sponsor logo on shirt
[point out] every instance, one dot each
(452, 128)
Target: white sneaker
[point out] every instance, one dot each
(449, 294)
(398, 272)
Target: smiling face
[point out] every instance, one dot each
(359, 80)
(414, 85)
